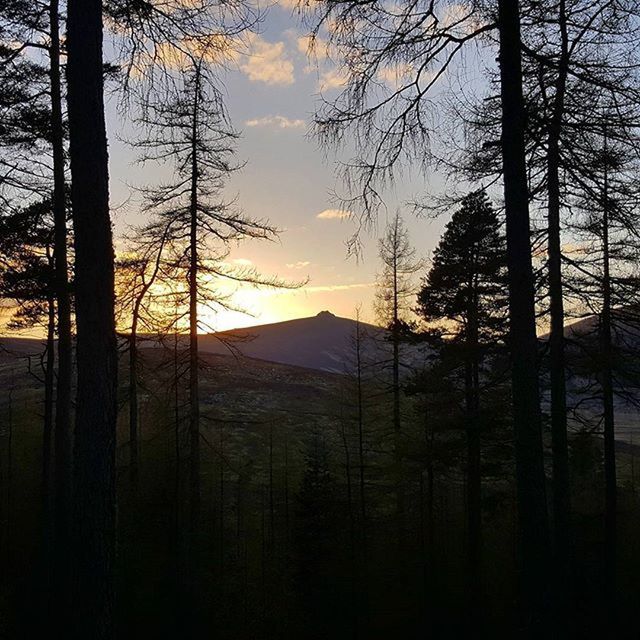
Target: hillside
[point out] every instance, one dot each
(323, 342)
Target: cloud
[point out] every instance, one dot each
(298, 265)
(267, 62)
(332, 79)
(334, 214)
(288, 4)
(276, 122)
(337, 287)
(316, 48)
(243, 262)
(397, 75)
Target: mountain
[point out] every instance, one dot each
(323, 342)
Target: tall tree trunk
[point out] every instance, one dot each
(561, 490)
(63, 476)
(194, 401)
(63, 440)
(530, 477)
(610, 508)
(95, 433)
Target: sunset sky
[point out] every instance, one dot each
(271, 95)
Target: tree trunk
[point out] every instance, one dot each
(95, 434)
(610, 508)
(63, 476)
(194, 401)
(530, 477)
(561, 490)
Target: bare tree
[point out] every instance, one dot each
(395, 294)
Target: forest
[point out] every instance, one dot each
(456, 459)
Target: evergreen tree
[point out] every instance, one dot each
(463, 298)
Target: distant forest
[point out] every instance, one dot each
(465, 468)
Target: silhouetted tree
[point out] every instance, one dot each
(395, 293)
(95, 433)
(59, 198)
(393, 125)
(463, 295)
(575, 52)
(605, 283)
(532, 507)
(27, 280)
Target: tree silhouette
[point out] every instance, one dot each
(95, 432)
(464, 295)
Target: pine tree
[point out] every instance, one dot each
(463, 297)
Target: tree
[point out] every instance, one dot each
(530, 477)
(34, 169)
(59, 198)
(605, 283)
(191, 130)
(27, 279)
(575, 52)
(463, 296)
(394, 295)
(192, 227)
(136, 275)
(95, 430)
(393, 125)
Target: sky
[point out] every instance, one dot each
(271, 95)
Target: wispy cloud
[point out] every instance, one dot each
(338, 287)
(267, 62)
(396, 75)
(331, 79)
(243, 262)
(276, 122)
(288, 4)
(334, 214)
(301, 264)
(316, 48)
